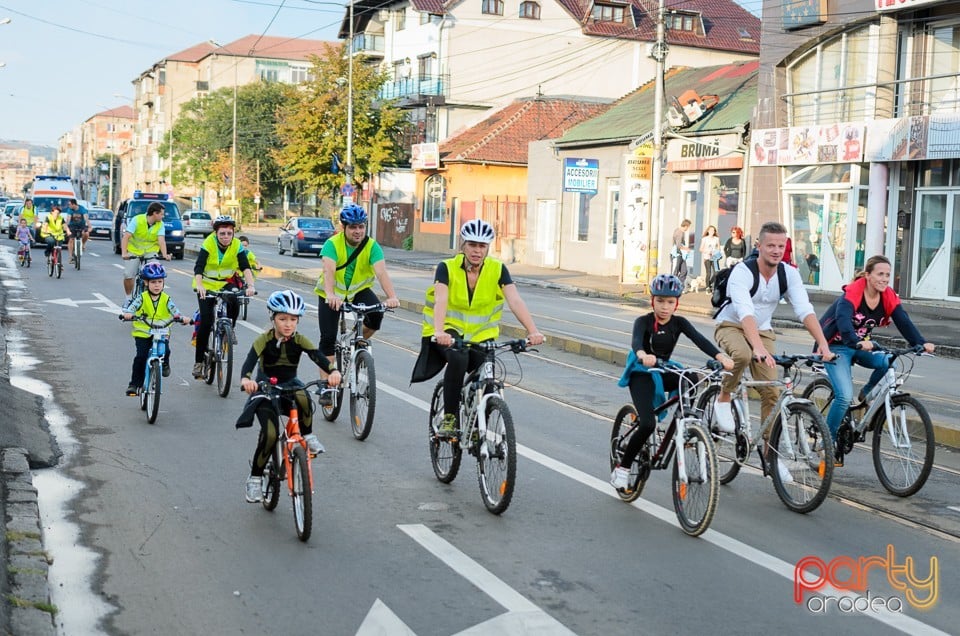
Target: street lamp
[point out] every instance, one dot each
(349, 167)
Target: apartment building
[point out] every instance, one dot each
(92, 144)
(856, 139)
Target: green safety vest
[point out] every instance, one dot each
(219, 269)
(476, 321)
(144, 238)
(55, 227)
(363, 273)
(158, 313)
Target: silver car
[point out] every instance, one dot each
(101, 223)
(197, 222)
(8, 216)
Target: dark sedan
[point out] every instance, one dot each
(305, 235)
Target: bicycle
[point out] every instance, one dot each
(55, 260)
(24, 257)
(139, 285)
(696, 489)
(149, 392)
(354, 358)
(903, 438)
(77, 250)
(798, 438)
(290, 458)
(218, 360)
(486, 428)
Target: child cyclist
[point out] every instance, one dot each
(152, 306)
(251, 257)
(655, 336)
(278, 351)
(24, 237)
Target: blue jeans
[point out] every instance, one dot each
(840, 372)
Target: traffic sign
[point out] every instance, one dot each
(347, 189)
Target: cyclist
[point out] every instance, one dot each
(251, 257)
(78, 225)
(157, 307)
(466, 302)
(23, 235)
(743, 328)
(53, 229)
(277, 351)
(351, 261)
(220, 256)
(655, 336)
(866, 303)
(142, 236)
(29, 213)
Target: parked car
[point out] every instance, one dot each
(173, 226)
(10, 217)
(197, 222)
(101, 223)
(305, 235)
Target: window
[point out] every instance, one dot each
(683, 21)
(434, 198)
(582, 230)
(429, 18)
(613, 211)
(530, 10)
(401, 19)
(203, 86)
(493, 7)
(299, 74)
(162, 77)
(607, 13)
(425, 66)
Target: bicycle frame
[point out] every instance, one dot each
(289, 435)
(479, 387)
(780, 410)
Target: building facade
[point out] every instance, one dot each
(97, 144)
(856, 138)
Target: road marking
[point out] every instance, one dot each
(957, 508)
(602, 316)
(735, 547)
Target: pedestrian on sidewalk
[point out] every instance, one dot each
(710, 251)
(735, 249)
(682, 246)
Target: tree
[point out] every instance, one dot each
(312, 125)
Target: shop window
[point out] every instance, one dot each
(613, 212)
(434, 199)
(582, 230)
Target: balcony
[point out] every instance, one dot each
(412, 91)
(368, 44)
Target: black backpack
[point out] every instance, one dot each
(720, 299)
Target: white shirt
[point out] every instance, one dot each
(763, 303)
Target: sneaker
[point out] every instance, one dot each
(620, 478)
(838, 460)
(254, 490)
(131, 390)
(325, 399)
(198, 370)
(448, 428)
(313, 444)
(723, 417)
(785, 476)
(166, 370)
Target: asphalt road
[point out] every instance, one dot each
(181, 552)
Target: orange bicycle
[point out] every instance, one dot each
(290, 458)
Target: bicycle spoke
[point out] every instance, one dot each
(903, 447)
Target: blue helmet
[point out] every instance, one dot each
(286, 302)
(666, 285)
(153, 271)
(353, 214)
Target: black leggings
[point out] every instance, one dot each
(268, 427)
(460, 362)
(329, 319)
(207, 307)
(641, 392)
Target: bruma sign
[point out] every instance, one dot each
(717, 152)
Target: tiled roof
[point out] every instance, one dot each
(503, 136)
(124, 112)
(194, 54)
(275, 47)
(632, 116)
(430, 6)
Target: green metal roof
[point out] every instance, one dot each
(632, 116)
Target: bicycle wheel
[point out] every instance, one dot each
(803, 446)
(497, 471)
(695, 501)
(153, 392)
(732, 449)
(302, 497)
(50, 265)
(59, 262)
(903, 447)
(623, 427)
(209, 358)
(224, 357)
(77, 251)
(331, 411)
(21, 258)
(445, 454)
(820, 392)
(363, 396)
(270, 481)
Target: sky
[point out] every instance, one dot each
(66, 60)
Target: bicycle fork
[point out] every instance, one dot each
(294, 438)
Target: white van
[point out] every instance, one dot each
(47, 191)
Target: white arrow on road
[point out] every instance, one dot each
(100, 299)
(523, 618)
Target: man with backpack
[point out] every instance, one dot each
(753, 291)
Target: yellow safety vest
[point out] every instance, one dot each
(30, 214)
(158, 313)
(478, 320)
(55, 227)
(144, 238)
(363, 273)
(219, 269)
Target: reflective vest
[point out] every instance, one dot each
(363, 274)
(54, 227)
(156, 313)
(30, 214)
(478, 320)
(219, 268)
(144, 238)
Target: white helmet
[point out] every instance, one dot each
(478, 231)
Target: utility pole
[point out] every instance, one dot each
(653, 209)
(233, 150)
(349, 168)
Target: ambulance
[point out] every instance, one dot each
(49, 190)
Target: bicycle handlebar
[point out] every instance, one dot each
(519, 345)
(155, 325)
(899, 351)
(360, 308)
(271, 386)
(239, 293)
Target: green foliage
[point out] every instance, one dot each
(313, 125)
(408, 243)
